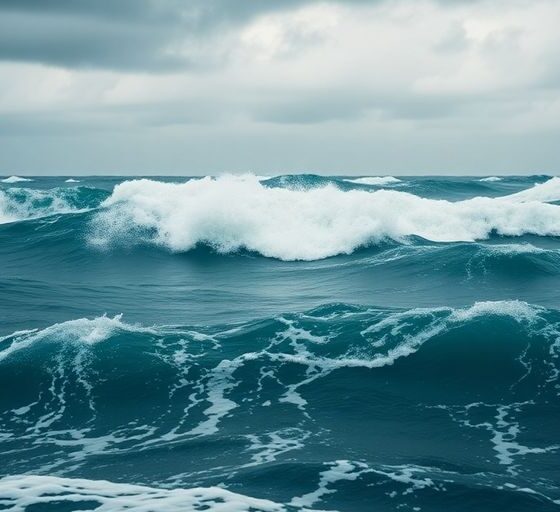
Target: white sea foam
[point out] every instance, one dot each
(379, 181)
(500, 420)
(515, 249)
(18, 493)
(229, 214)
(270, 446)
(516, 309)
(339, 471)
(412, 476)
(72, 180)
(15, 179)
(491, 178)
(220, 382)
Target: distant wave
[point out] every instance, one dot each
(230, 214)
(15, 179)
(375, 180)
(72, 180)
(491, 178)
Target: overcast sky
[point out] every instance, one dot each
(278, 86)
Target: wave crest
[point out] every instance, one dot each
(491, 178)
(230, 214)
(17, 203)
(375, 180)
(82, 331)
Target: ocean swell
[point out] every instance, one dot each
(93, 393)
(230, 214)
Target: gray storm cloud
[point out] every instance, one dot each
(124, 34)
(360, 86)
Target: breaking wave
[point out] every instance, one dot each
(230, 214)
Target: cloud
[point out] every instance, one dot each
(145, 35)
(104, 35)
(174, 77)
(141, 35)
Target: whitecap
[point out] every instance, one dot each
(516, 309)
(15, 179)
(375, 180)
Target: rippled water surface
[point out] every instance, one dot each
(280, 344)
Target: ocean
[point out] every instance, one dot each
(288, 343)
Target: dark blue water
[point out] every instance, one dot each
(287, 343)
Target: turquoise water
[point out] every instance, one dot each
(287, 343)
